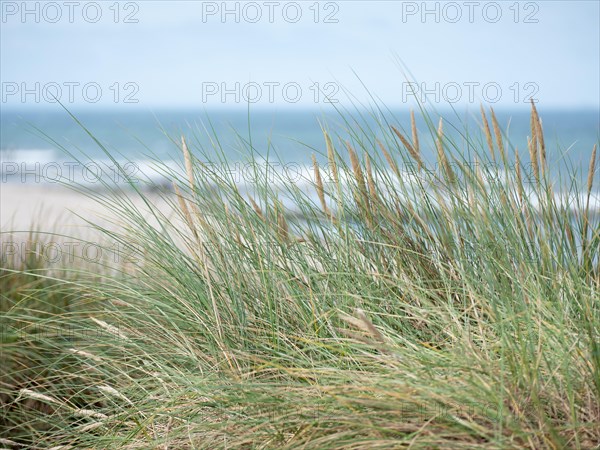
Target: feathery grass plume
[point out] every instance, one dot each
(498, 134)
(532, 146)
(590, 183)
(362, 323)
(202, 259)
(540, 136)
(413, 152)
(198, 252)
(504, 199)
(415, 135)
(81, 412)
(110, 328)
(189, 169)
(370, 180)
(442, 158)
(591, 171)
(112, 391)
(85, 354)
(360, 179)
(331, 158)
(519, 176)
(120, 303)
(488, 134)
(257, 209)
(334, 171)
(479, 174)
(389, 158)
(319, 187)
(187, 157)
(37, 396)
(85, 429)
(186, 212)
(471, 196)
(369, 325)
(283, 229)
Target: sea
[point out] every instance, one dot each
(56, 145)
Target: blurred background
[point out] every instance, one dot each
(138, 74)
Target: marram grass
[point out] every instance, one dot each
(402, 307)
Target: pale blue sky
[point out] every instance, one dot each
(174, 56)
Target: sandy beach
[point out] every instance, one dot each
(48, 207)
(57, 215)
(45, 207)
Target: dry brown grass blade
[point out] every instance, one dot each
(519, 176)
(188, 163)
(591, 171)
(115, 331)
(186, 212)
(415, 135)
(28, 393)
(369, 326)
(389, 158)
(256, 208)
(532, 146)
(442, 158)
(504, 199)
(319, 186)
(537, 123)
(331, 159)
(411, 150)
(590, 183)
(370, 180)
(488, 134)
(363, 200)
(478, 174)
(189, 169)
(202, 260)
(362, 323)
(471, 198)
(498, 134)
(190, 223)
(283, 230)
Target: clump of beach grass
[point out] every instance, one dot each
(404, 306)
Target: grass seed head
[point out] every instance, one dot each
(498, 134)
(319, 186)
(411, 150)
(415, 135)
(488, 134)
